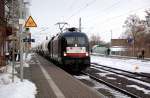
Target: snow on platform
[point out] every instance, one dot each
(16, 89)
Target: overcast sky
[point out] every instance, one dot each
(99, 17)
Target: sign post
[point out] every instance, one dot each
(29, 23)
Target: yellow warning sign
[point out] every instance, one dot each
(30, 22)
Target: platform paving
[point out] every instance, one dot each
(68, 85)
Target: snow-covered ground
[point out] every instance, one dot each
(132, 65)
(16, 89)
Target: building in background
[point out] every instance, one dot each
(9, 26)
(3, 25)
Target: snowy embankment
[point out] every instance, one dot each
(16, 89)
(132, 65)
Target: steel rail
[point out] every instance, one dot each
(112, 86)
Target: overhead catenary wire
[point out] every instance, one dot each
(86, 5)
(118, 16)
(109, 7)
(74, 4)
(92, 2)
(89, 4)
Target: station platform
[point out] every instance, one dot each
(53, 82)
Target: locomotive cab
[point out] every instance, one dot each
(75, 50)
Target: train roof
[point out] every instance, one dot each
(68, 33)
(73, 34)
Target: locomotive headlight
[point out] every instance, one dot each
(76, 45)
(87, 54)
(65, 54)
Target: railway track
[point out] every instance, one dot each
(133, 75)
(123, 80)
(111, 85)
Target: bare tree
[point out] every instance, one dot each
(95, 40)
(148, 17)
(133, 26)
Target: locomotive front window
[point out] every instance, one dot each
(70, 40)
(76, 40)
(81, 40)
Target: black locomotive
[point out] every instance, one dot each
(70, 49)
